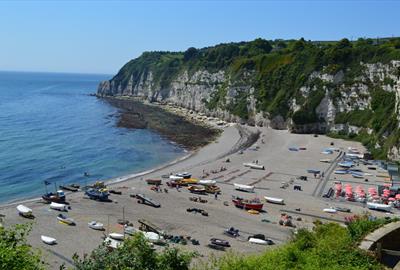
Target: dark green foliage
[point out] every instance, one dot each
(328, 246)
(360, 226)
(15, 252)
(307, 114)
(135, 254)
(359, 118)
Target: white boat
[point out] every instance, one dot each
(357, 175)
(325, 160)
(330, 210)
(327, 152)
(112, 243)
(207, 182)
(243, 187)
(174, 177)
(258, 241)
(116, 236)
(341, 172)
(24, 211)
(254, 166)
(96, 225)
(64, 219)
(58, 206)
(379, 206)
(274, 200)
(153, 237)
(48, 240)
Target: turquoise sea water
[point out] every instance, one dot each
(50, 129)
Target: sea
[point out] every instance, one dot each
(52, 130)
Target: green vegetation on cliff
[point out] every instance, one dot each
(285, 78)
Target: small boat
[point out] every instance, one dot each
(340, 172)
(330, 210)
(302, 148)
(259, 241)
(254, 166)
(188, 181)
(274, 200)
(379, 206)
(325, 160)
(245, 188)
(116, 236)
(220, 242)
(207, 182)
(58, 197)
(96, 225)
(232, 232)
(313, 171)
(185, 175)
(64, 219)
(254, 204)
(48, 240)
(357, 175)
(197, 189)
(24, 211)
(174, 177)
(295, 149)
(69, 188)
(346, 164)
(112, 243)
(130, 230)
(58, 206)
(153, 237)
(97, 194)
(156, 182)
(343, 209)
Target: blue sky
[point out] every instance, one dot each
(100, 36)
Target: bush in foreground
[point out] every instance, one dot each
(328, 246)
(135, 254)
(15, 253)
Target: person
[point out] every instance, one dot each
(216, 195)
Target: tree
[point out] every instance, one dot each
(15, 253)
(190, 53)
(135, 254)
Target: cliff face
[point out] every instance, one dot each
(359, 100)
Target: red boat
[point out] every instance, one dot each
(254, 204)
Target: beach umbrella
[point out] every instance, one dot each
(398, 196)
(392, 199)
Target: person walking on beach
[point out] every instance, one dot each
(216, 195)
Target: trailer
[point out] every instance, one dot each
(146, 200)
(147, 226)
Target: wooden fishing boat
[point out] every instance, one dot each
(197, 189)
(325, 160)
(96, 225)
(219, 242)
(48, 240)
(97, 194)
(58, 197)
(69, 188)
(64, 219)
(254, 204)
(188, 181)
(24, 211)
(274, 200)
(245, 188)
(156, 182)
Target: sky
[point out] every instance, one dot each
(101, 36)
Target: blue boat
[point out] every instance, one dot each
(341, 172)
(313, 171)
(346, 164)
(293, 149)
(96, 194)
